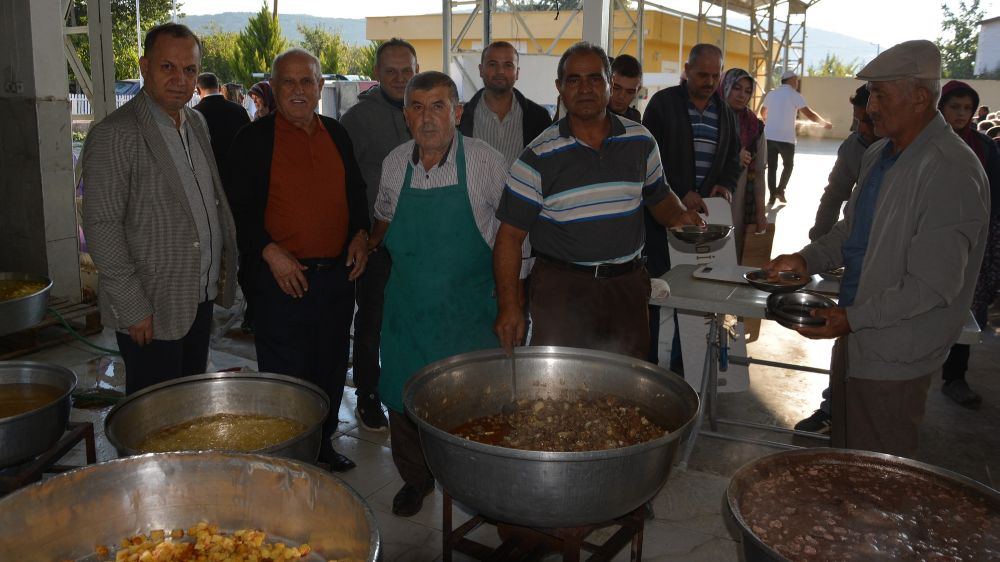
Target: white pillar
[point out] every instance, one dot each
(38, 231)
(596, 22)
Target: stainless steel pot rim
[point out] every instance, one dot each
(840, 456)
(251, 459)
(778, 302)
(547, 456)
(40, 365)
(226, 375)
(18, 276)
(694, 234)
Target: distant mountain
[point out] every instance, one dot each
(352, 30)
(819, 42)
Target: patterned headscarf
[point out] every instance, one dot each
(749, 123)
(263, 90)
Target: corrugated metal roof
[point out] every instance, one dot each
(746, 6)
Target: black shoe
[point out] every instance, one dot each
(334, 460)
(409, 499)
(246, 326)
(818, 422)
(770, 200)
(369, 413)
(959, 391)
(781, 197)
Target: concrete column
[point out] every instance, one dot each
(596, 22)
(38, 230)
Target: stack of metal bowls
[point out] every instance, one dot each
(27, 435)
(547, 489)
(184, 399)
(65, 517)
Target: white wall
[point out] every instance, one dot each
(988, 54)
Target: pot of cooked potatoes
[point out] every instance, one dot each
(23, 300)
(263, 413)
(174, 506)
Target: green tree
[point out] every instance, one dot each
(257, 45)
(831, 65)
(961, 40)
(123, 38)
(219, 52)
(361, 59)
(329, 47)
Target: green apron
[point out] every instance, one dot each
(439, 299)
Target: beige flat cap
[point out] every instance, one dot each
(909, 59)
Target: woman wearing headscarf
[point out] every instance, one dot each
(263, 99)
(958, 102)
(736, 87)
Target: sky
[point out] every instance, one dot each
(884, 22)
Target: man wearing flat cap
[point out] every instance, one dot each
(911, 243)
(780, 108)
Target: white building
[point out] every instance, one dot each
(988, 53)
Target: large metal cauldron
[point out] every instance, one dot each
(24, 312)
(544, 489)
(883, 465)
(66, 516)
(188, 398)
(27, 435)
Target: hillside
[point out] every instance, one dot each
(819, 42)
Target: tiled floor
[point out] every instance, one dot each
(689, 522)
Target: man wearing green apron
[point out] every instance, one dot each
(435, 215)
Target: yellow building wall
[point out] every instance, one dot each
(664, 48)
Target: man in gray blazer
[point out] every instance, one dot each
(156, 218)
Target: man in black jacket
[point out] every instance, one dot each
(504, 125)
(302, 215)
(700, 151)
(224, 119)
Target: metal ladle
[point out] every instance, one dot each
(511, 407)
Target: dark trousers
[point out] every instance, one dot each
(956, 364)
(574, 309)
(163, 360)
(246, 276)
(370, 296)
(407, 453)
(308, 337)
(787, 152)
(875, 415)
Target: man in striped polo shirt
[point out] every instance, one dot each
(578, 189)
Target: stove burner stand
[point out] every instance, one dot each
(31, 471)
(532, 544)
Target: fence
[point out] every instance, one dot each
(80, 105)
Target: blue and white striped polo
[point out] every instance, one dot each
(705, 133)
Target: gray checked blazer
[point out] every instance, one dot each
(139, 227)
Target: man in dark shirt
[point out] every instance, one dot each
(626, 79)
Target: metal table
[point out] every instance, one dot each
(717, 299)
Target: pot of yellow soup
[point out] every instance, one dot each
(263, 413)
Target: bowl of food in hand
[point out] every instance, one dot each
(704, 234)
(263, 413)
(833, 274)
(780, 282)
(794, 310)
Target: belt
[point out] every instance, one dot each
(319, 264)
(599, 271)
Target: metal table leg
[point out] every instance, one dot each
(705, 394)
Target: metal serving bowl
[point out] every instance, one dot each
(24, 312)
(883, 466)
(27, 435)
(187, 398)
(546, 489)
(66, 516)
(701, 234)
(787, 282)
(792, 310)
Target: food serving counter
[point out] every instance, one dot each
(717, 299)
